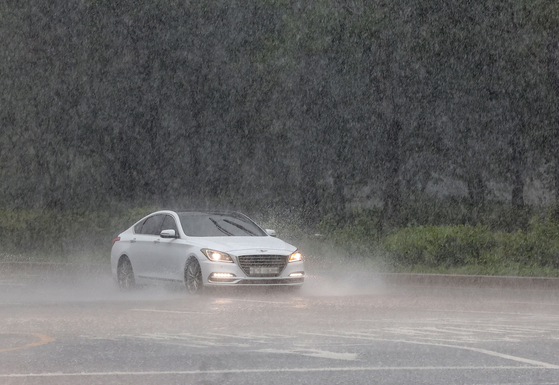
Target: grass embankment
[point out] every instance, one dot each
(68, 236)
(480, 249)
(454, 249)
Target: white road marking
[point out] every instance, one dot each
(171, 311)
(538, 330)
(251, 337)
(450, 330)
(456, 332)
(289, 370)
(189, 345)
(313, 353)
(254, 300)
(169, 337)
(190, 340)
(428, 321)
(484, 312)
(453, 332)
(478, 350)
(527, 303)
(407, 331)
(460, 340)
(516, 383)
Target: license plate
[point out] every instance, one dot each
(264, 270)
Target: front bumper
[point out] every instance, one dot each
(236, 281)
(239, 277)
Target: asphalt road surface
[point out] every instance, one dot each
(341, 328)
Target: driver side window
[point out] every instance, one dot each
(152, 225)
(170, 224)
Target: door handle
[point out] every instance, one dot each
(133, 240)
(157, 241)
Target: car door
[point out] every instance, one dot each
(134, 248)
(146, 247)
(168, 251)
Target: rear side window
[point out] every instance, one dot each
(138, 227)
(152, 225)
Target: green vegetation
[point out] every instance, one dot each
(530, 249)
(485, 248)
(440, 114)
(318, 105)
(69, 236)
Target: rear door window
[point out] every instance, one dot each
(138, 227)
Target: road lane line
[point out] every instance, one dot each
(252, 337)
(283, 370)
(463, 340)
(42, 340)
(171, 311)
(478, 350)
(257, 301)
(492, 312)
(446, 330)
(316, 353)
(527, 303)
(516, 383)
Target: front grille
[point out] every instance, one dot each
(262, 265)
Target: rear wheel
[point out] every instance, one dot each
(125, 274)
(193, 276)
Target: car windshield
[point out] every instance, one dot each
(197, 224)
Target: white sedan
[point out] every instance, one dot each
(203, 249)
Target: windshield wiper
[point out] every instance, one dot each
(219, 227)
(239, 227)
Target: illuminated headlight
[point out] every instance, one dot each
(296, 257)
(297, 274)
(217, 256)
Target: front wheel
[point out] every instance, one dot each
(193, 276)
(125, 275)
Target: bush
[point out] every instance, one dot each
(435, 246)
(451, 211)
(539, 246)
(47, 234)
(357, 234)
(455, 246)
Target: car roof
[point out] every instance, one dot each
(214, 212)
(207, 212)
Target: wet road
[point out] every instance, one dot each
(79, 329)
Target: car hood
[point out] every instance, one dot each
(244, 245)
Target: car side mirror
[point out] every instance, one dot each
(168, 234)
(271, 233)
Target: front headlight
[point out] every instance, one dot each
(217, 256)
(296, 257)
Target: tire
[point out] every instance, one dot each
(125, 275)
(193, 276)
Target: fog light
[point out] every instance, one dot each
(297, 274)
(222, 275)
